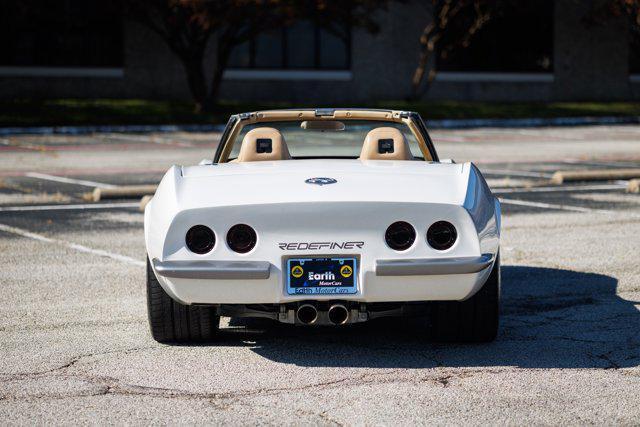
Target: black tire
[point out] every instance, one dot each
(172, 322)
(473, 320)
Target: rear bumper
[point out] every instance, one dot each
(431, 267)
(217, 270)
(249, 270)
(262, 282)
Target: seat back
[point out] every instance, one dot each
(385, 143)
(263, 144)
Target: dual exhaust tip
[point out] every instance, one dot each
(338, 314)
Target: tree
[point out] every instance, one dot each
(188, 27)
(603, 10)
(455, 23)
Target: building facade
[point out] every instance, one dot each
(546, 52)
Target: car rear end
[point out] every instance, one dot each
(379, 240)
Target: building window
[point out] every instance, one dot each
(517, 38)
(634, 51)
(302, 46)
(61, 33)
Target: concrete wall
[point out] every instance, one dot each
(591, 59)
(491, 90)
(591, 62)
(382, 65)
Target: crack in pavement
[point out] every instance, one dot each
(54, 327)
(322, 415)
(9, 376)
(110, 385)
(607, 358)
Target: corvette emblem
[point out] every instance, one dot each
(321, 181)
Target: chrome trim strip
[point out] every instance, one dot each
(430, 266)
(225, 270)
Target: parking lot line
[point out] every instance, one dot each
(518, 202)
(124, 205)
(66, 180)
(555, 189)
(71, 245)
(8, 146)
(155, 139)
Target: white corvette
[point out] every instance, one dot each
(354, 217)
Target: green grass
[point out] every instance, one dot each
(59, 112)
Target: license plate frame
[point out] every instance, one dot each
(323, 264)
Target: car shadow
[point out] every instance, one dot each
(551, 318)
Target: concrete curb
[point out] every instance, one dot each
(145, 201)
(432, 124)
(560, 177)
(125, 191)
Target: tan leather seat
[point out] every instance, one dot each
(263, 144)
(385, 143)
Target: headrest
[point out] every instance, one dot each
(262, 144)
(385, 143)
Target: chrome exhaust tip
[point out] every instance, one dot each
(338, 314)
(307, 314)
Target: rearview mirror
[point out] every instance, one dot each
(322, 125)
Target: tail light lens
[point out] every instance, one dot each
(241, 238)
(441, 235)
(200, 239)
(400, 235)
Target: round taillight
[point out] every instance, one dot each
(241, 238)
(441, 235)
(400, 235)
(200, 239)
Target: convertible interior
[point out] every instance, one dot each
(268, 144)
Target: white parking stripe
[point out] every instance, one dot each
(156, 139)
(69, 180)
(75, 246)
(618, 186)
(23, 145)
(69, 207)
(552, 206)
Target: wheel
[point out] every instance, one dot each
(171, 321)
(472, 320)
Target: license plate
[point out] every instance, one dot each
(322, 276)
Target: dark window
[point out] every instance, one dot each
(303, 45)
(634, 51)
(517, 38)
(61, 33)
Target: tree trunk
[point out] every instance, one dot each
(427, 41)
(195, 78)
(222, 59)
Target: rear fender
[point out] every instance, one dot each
(484, 210)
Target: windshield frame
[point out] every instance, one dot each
(412, 120)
